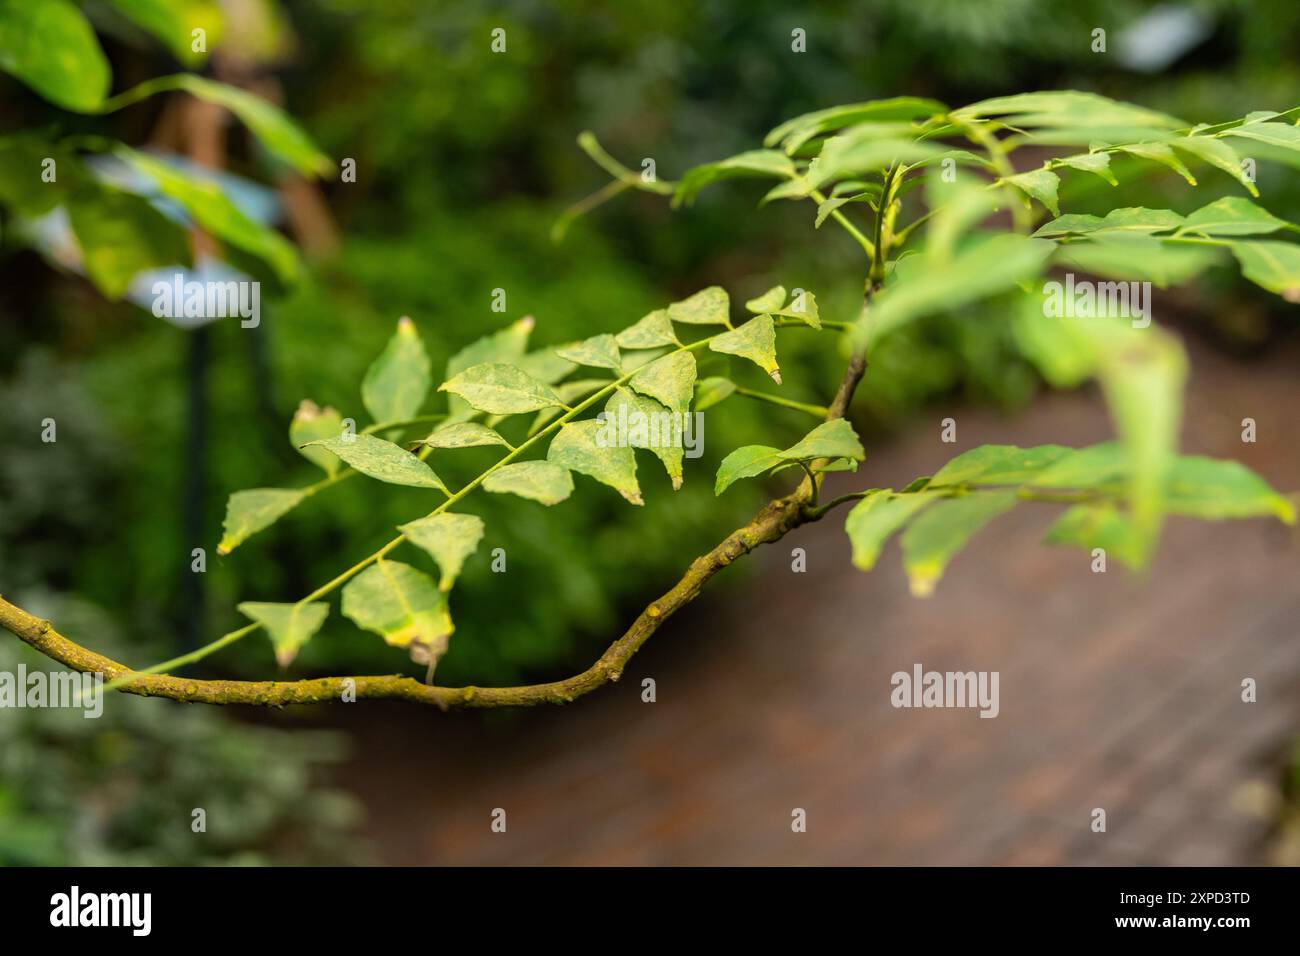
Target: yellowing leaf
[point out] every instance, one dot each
(599, 351)
(769, 301)
(463, 435)
(647, 424)
(401, 605)
(542, 481)
(876, 517)
(933, 539)
(653, 331)
(397, 382)
(711, 306)
(755, 340)
(670, 380)
(311, 422)
(248, 512)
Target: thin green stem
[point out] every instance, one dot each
(867, 246)
(817, 411)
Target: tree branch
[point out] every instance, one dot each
(770, 524)
(776, 519)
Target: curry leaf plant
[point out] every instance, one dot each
(944, 217)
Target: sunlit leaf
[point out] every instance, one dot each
(649, 425)
(935, 537)
(1273, 265)
(289, 626)
(463, 435)
(501, 389)
(449, 538)
(541, 481)
(759, 162)
(403, 606)
(1231, 216)
(382, 460)
(670, 380)
(398, 381)
(755, 340)
(655, 330)
(50, 46)
(311, 422)
(878, 516)
(599, 351)
(248, 512)
(769, 301)
(122, 235)
(1040, 184)
(587, 447)
(711, 306)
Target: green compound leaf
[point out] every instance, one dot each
(599, 351)
(998, 465)
(876, 517)
(1274, 266)
(1101, 525)
(289, 626)
(1218, 154)
(769, 301)
(653, 331)
(122, 235)
(748, 461)
(310, 423)
(711, 306)
(711, 391)
(449, 538)
(172, 22)
(279, 134)
(1096, 163)
(542, 481)
(506, 346)
(934, 538)
(757, 162)
(382, 460)
(1040, 184)
(669, 380)
(210, 208)
(397, 383)
(463, 435)
(1231, 216)
(1160, 153)
(755, 340)
(248, 512)
(50, 46)
(584, 447)
(833, 439)
(647, 424)
(501, 389)
(802, 307)
(1215, 489)
(403, 606)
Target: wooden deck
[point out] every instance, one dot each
(1116, 692)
